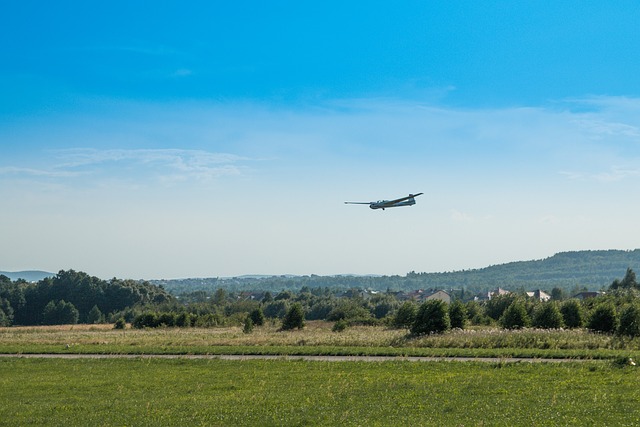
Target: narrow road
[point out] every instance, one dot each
(294, 357)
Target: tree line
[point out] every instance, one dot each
(568, 271)
(617, 311)
(72, 297)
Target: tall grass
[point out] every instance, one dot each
(316, 337)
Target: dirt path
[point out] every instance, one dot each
(294, 357)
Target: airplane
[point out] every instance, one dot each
(383, 204)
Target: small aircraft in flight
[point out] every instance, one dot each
(383, 204)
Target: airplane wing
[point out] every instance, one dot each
(358, 203)
(389, 203)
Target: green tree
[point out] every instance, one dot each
(515, 316)
(95, 316)
(294, 317)
(284, 295)
(248, 325)
(60, 313)
(458, 314)
(406, 315)
(167, 319)
(629, 280)
(432, 317)
(183, 320)
(267, 297)
(147, 319)
(630, 321)
(476, 313)
(496, 306)
(6, 312)
(603, 318)
(320, 309)
(383, 307)
(257, 316)
(572, 313)
(220, 297)
(548, 316)
(349, 309)
(275, 309)
(557, 294)
(4, 320)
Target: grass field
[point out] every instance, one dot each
(316, 338)
(137, 392)
(149, 391)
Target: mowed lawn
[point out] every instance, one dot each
(159, 392)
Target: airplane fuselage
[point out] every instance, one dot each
(383, 204)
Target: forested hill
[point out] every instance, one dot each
(570, 271)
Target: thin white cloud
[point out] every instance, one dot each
(168, 165)
(12, 170)
(617, 174)
(614, 174)
(162, 165)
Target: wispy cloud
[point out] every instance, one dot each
(179, 164)
(12, 170)
(615, 174)
(161, 165)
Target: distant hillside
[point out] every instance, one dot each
(590, 269)
(29, 276)
(566, 270)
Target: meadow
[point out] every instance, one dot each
(147, 391)
(152, 391)
(318, 338)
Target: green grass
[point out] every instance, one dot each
(137, 392)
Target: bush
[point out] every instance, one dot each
(257, 317)
(183, 320)
(340, 326)
(320, 310)
(432, 317)
(95, 316)
(476, 314)
(383, 308)
(120, 323)
(145, 320)
(572, 314)
(248, 325)
(458, 315)
(630, 321)
(515, 316)
(348, 309)
(548, 316)
(604, 318)
(496, 306)
(167, 319)
(294, 318)
(406, 315)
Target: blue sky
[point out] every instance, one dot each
(164, 140)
